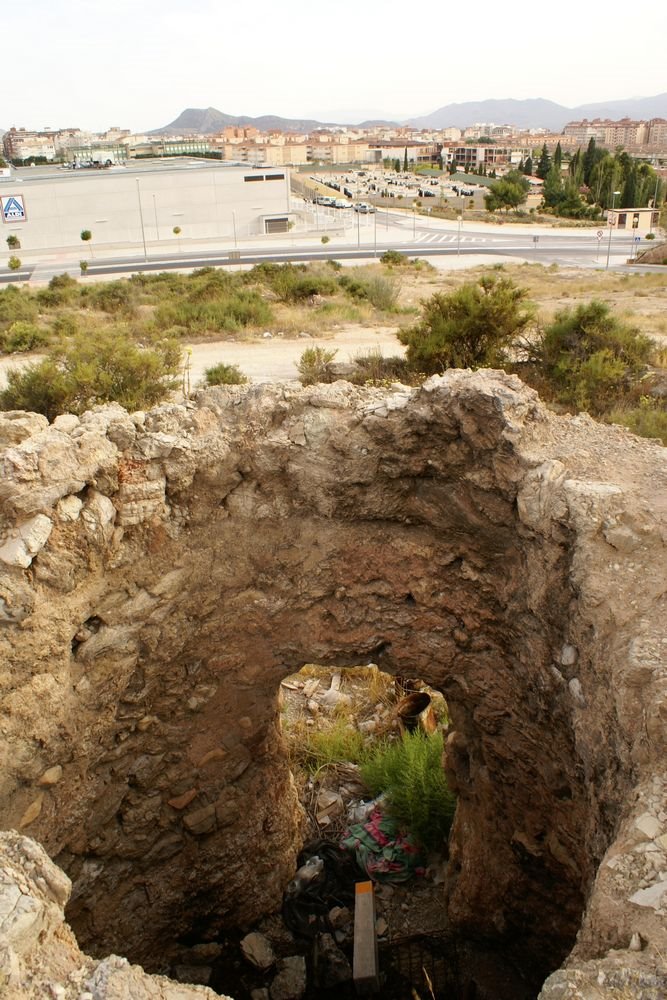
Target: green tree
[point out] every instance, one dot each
(87, 236)
(13, 263)
(592, 156)
(397, 166)
(405, 161)
(544, 164)
(88, 370)
(558, 156)
(471, 327)
(508, 192)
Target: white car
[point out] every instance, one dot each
(341, 203)
(364, 208)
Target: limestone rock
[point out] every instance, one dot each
(25, 541)
(39, 956)
(17, 425)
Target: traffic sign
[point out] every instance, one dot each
(599, 234)
(611, 219)
(637, 239)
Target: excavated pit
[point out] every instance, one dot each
(178, 565)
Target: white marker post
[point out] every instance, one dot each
(365, 966)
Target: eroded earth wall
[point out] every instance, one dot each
(160, 573)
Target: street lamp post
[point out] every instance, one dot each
(141, 220)
(459, 219)
(611, 220)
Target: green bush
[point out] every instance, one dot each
(110, 297)
(62, 290)
(296, 284)
(22, 336)
(238, 309)
(13, 263)
(374, 368)
(90, 370)
(222, 374)
(312, 365)
(410, 773)
(66, 325)
(472, 327)
(392, 258)
(591, 358)
(15, 304)
(382, 292)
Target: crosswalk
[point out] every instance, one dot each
(448, 238)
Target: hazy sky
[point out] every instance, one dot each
(139, 63)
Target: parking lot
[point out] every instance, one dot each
(380, 187)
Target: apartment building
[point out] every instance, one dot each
(626, 132)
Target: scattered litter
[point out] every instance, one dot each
(329, 805)
(306, 907)
(310, 687)
(383, 851)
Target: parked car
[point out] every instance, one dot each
(364, 208)
(341, 203)
(323, 199)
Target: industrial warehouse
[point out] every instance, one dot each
(50, 207)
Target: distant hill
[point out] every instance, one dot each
(538, 113)
(634, 107)
(206, 120)
(532, 113)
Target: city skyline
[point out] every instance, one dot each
(139, 66)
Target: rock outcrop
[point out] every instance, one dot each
(39, 955)
(160, 573)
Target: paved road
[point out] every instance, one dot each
(364, 238)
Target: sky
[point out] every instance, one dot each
(138, 63)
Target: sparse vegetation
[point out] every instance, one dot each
(471, 327)
(222, 374)
(591, 358)
(409, 772)
(22, 336)
(84, 371)
(312, 366)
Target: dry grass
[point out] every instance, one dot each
(640, 298)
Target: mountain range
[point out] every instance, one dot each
(532, 113)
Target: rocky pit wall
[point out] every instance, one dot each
(160, 573)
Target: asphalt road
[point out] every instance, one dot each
(366, 237)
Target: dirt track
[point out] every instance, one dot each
(272, 359)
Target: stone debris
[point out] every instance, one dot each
(331, 965)
(257, 949)
(290, 983)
